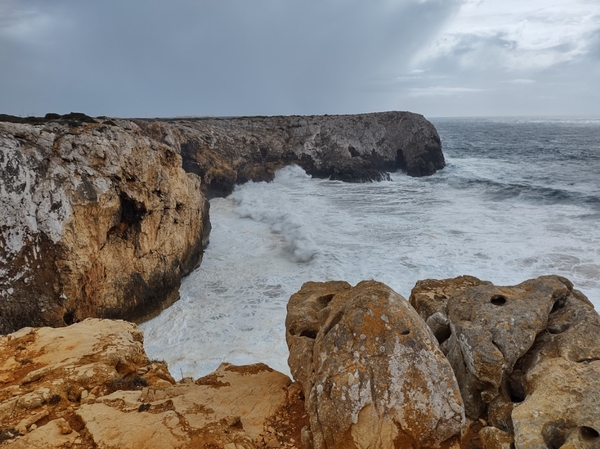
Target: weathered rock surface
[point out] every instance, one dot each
(358, 148)
(97, 218)
(527, 357)
(372, 373)
(90, 385)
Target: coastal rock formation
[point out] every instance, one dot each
(90, 385)
(527, 357)
(357, 148)
(369, 371)
(97, 218)
(372, 373)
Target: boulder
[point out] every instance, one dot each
(97, 219)
(353, 148)
(371, 371)
(90, 385)
(525, 357)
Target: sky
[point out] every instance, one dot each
(166, 58)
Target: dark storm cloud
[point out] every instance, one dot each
(148, 58)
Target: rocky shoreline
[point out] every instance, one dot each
(461, 364)
(101, 217)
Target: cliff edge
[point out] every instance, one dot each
(102, 217)
(353, 148)
(97, 219)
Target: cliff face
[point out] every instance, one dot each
(97, 218)
(355, 148)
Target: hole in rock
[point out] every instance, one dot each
(515, 391)
(558, 304)
(442, 334)
(132, 211)
(325, 300)
(589, 433)
(554, 434)
(498, 300)
(309, 334)
(69, 317)
(405, 332)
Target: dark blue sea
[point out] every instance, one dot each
(519, 198)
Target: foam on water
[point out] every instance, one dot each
(269, 238)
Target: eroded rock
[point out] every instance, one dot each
(354, 148)
(526, 357)
(90, 385)
(97, 219)
(371, 370)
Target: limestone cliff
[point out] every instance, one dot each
(97, 218)
(356, 148)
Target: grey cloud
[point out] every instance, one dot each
(234, 57)
(227, 57)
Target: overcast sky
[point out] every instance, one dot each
(148, 58)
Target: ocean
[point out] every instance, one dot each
(519, 198)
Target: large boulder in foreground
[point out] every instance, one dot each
(97, 218)
(527, 357)
(355, 148)
(372, 373)
(90, 385)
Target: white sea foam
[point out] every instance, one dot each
(269, 238)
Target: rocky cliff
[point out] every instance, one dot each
(97, 218)
(462, 364)
(355, 148)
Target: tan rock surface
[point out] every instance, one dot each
(90, 385)
(371, 370)
(97, 219)
(562, 406)
(526, 357)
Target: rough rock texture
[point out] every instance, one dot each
(97, 218)
(527, 357)
(90, 385)
(372, 373)
(362, 147)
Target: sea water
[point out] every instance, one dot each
(519, 198)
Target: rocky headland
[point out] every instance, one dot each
(461, 364)
(97, 219)
(101, 217)
(353, 148)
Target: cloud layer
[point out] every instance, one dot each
(234, 57)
